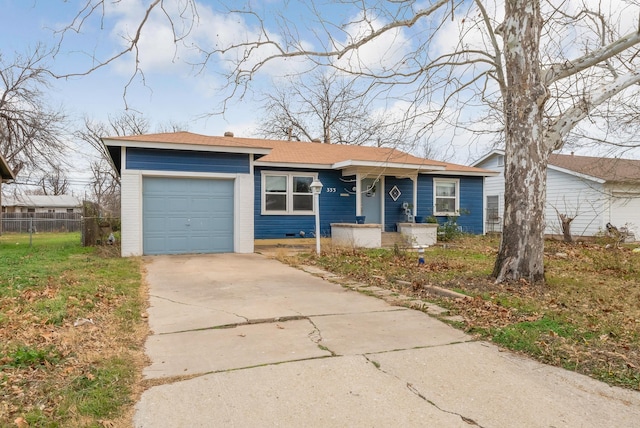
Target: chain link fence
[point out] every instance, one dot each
(94, 230)
(41, 222)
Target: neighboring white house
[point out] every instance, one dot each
(42, 204)
(594, 190)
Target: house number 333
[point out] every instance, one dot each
(331, 190)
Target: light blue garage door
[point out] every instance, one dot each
(183, 215)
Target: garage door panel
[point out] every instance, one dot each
(200, 205)
(175, 244)
(200, 227)
(156, 223)
(175, 224)
(187, 215)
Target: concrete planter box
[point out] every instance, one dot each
(356, 235)
(419, 234)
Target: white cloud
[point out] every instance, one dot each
(385, 52)
(158, 51)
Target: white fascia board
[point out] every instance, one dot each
(468, 174)
(487, 156)
(192, 147)
(188, 174)
(291, 165)
(577, 174)
(377, 164)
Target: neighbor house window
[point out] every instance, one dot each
(447, 197)
(287, 193)
(500, 160)
(493, 208)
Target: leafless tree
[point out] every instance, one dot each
(31, 133)
(330, 107)
(105, 182)
(104, 189)
(565, 218)
(531, 71)
(54, 183)
(126, 123)
(172, 127)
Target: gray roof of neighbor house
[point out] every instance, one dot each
(42, 201)
(607, 169)
(616, 170)
(6, 173)
(278, 152)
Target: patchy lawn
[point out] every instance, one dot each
(71, 333)
(586, 318)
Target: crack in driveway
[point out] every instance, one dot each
(418, 394)
(197, 306)
(241, 324)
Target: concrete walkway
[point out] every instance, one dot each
(245, 341)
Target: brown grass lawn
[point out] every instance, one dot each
(72, 330)
(586, 317)
(57, 369)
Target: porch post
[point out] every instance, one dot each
(415, 196)
(358, 194)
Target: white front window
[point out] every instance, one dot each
(446, 198)
(287, 193)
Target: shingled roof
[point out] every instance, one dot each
(607, 169)
(295, 152)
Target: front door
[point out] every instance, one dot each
(371, 200)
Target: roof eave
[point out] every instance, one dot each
(387, 165)
(576, 174)
(291, 165)
(5, 172)
(487, 156)
(485, 173)
(186, 146)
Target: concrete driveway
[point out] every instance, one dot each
(245, 341)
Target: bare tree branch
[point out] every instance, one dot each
(30, 132)
(560, 126)
(561, 71)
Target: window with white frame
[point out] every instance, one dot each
(447, 196)
(500, 160)
(287, 193)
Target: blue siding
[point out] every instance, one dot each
(188, 161)
(334, 208)
(471, 203)
(393, 212)
(425, 195)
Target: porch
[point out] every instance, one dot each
(386, 240)
(308, 245)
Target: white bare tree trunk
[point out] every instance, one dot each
(522, 247)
